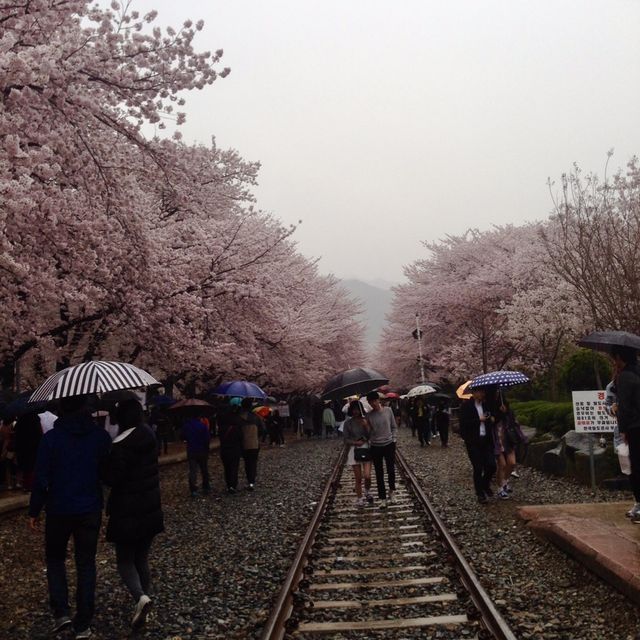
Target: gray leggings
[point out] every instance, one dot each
(133, 566)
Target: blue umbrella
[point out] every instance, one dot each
(499, 378)
(240, 389)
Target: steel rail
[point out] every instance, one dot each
(491, 617)
(274, 628)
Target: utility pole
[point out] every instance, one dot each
(417, 334)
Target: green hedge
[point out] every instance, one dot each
(545, 417)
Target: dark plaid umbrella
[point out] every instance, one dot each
(604, 340)
(499, 378)
(351, 382)
(92, 377)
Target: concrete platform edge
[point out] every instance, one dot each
(603, 566)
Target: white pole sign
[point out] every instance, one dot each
(589, 414)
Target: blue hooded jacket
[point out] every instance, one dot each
(197, 435)
(66, 474)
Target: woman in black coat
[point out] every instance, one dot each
(133, 507)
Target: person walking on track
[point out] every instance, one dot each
(383, 446)
(356, 432)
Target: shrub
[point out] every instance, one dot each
(546, 417)
(580, 371)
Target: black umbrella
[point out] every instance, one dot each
(192, 407)
(21, 406)
(353, 381)
(604, 340)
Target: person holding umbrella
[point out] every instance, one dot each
(356, 432)
(476, 429)
(628, 389)
(67, 485)
(231, 441)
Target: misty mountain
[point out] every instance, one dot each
(376, 302)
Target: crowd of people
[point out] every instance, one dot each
(65, 468)
(488, 427)
(64, 459)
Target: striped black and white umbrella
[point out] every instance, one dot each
(92, 377)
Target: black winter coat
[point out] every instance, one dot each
(470, 425)
(133, 507)
(230, 431)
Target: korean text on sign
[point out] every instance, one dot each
(589, 413)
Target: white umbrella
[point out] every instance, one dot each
(92, 377)
(363, 401)
(421, 390)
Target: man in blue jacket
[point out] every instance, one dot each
(67, 486)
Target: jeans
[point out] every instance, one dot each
(424, 434)
(251, 464)
(84, 529)
(198, 461)
(133, 566)
(443, 428)
(483, 461)
(231, 463)
(387, 453)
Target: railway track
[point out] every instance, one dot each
(384, 573)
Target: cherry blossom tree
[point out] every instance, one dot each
(594, 244)
(115, 246)
(487, 300)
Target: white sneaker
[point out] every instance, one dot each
(634, 511)
(382, 504)
(391, 497)
(515, 474)
(140, 614)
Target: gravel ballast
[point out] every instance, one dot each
(218, 567)
(542, 593)
(216, 570)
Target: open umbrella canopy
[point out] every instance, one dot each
(21, 406)
(240, 389)
(463, 390)
(499, 378)
(92, 377)
(191, 407)
(604, 340)
(352, 381)
(421, 390)
(262, 411)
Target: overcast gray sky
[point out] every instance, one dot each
(383, 124)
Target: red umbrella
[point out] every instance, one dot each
(392, 395)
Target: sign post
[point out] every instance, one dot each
(590, 416)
